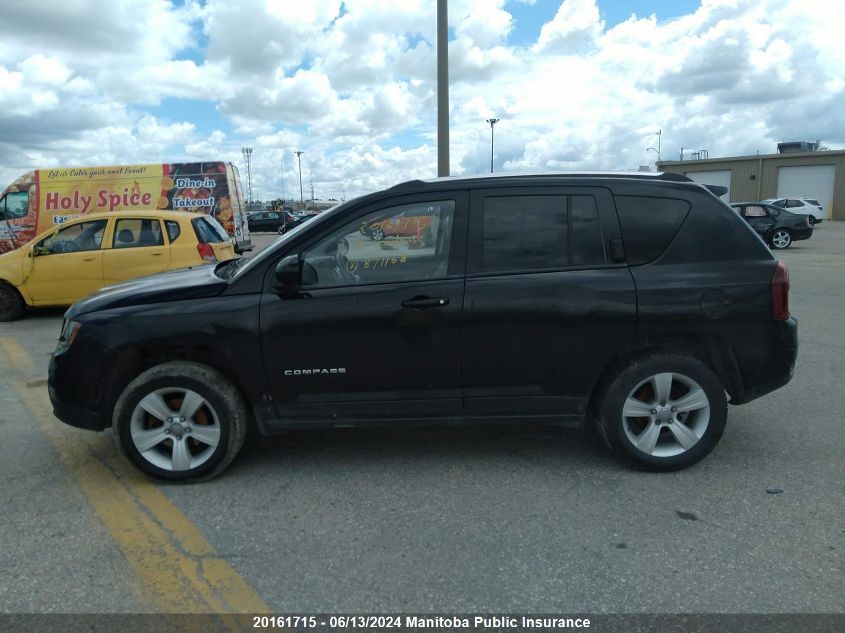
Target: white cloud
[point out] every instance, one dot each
(354, 85)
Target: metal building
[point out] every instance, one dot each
(818, 174)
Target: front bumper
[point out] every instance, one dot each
(65, 388)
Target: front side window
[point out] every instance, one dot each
(134, 233)
(82, 236)
(15, 205)
(792, 204)
(408, 242)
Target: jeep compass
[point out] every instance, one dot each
(639, 305)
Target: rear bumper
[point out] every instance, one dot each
(243, 246)
(771, 365)
(802, 233)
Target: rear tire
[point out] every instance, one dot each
(11, 303)
(662, 411)
(180, 421)
(780, 239)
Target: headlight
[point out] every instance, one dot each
(70, 329)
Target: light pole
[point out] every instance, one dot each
(492, 122)
(283, 177)
(299, 154)
(247, 152)
(659, 136)
(442, 89)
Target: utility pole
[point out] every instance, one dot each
(247, 152)
(659, 135)
(299, 154)
(492, 122)
(442, 89)
(283, 178)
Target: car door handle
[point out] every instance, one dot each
(156, 254)
(88, 259)
(423, 303)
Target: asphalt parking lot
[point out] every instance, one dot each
(519, 519)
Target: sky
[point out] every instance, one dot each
(576, 84)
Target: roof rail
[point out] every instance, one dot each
(635, 175)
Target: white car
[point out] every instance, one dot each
(804, 206)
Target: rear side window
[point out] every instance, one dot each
(209, 231)
(540, 232)
(648, 225)
(811, 201)
(754, 211)
(524, 233)
(137, 233)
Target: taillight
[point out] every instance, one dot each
(206, 252)
(780, 293)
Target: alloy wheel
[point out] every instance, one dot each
(781, 239)
(666, 414)
(175, 429)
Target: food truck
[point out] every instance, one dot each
(43, 198)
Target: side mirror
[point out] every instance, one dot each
(40, 250)
(288, 276)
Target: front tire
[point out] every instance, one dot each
(180, 421)
(662, 412)
(11, 303)
(780, 239)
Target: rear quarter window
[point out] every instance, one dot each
(648, 225)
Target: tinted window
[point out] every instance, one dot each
(586, 243)
(648, 225)
(524, 233)
(132, 233)
(791, 204)
(811, 201)
(402, 243)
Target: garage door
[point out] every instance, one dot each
(811, 181)
(721, 178)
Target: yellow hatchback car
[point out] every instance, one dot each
(69, 262)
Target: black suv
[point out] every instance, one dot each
(631, 302)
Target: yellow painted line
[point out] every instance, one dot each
(178, 569)
(16, 354)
